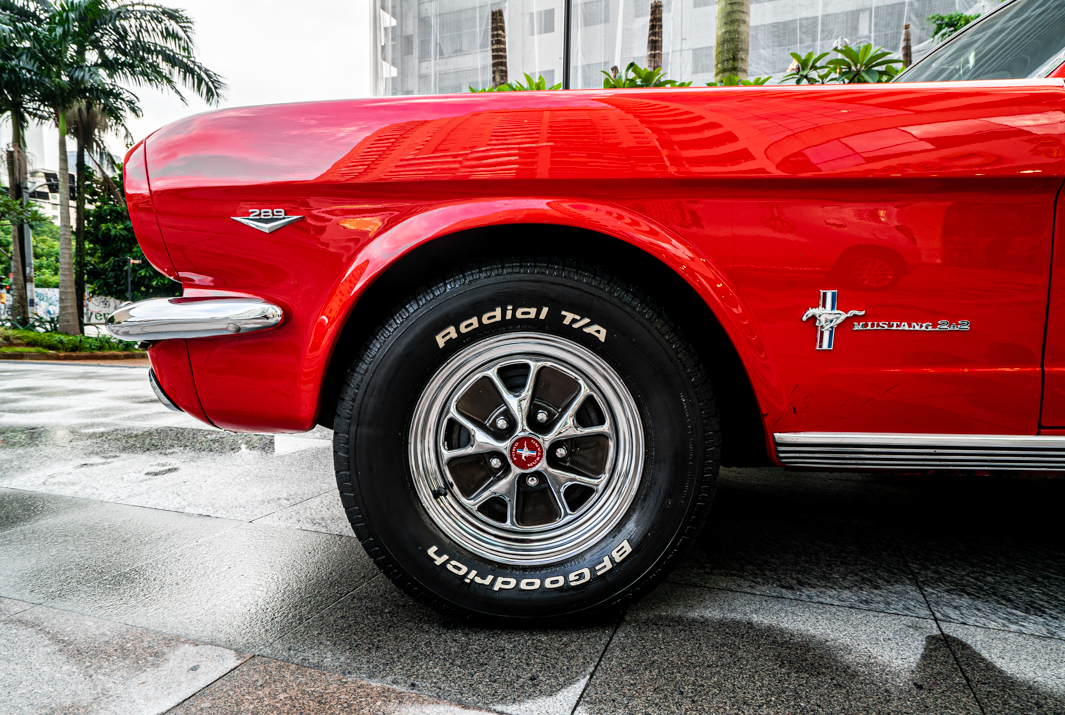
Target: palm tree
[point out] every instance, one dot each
(733, 42)
(654, 36)
(19, 87)
(499, 48)
(88, 124)
(87, 50)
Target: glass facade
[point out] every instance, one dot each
(443, 46)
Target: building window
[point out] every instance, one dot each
(590, 73)
(549, 77)
(703, 60)
(458, 32)
(704, 3)
(542, 22)
(595, 12)
(458, 82)
(408, 45)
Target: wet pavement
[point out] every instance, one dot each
(149, 564)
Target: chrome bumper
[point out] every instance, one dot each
(162, 396)
(170, 318)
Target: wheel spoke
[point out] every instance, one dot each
(562, 478)
(518, 406)
(556, 483)
(480, 441)
(567, 427)
(473, 447)
(506, 487)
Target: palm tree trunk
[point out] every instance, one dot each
(499, 49)
(733, 43)
(79, 233)
(68, 311)
(907, 46)
(654, 36)
(20, 308)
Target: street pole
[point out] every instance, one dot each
(27, 264)
(567, 16)
(27, 250)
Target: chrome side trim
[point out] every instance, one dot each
(170, 318)
(158, 390)
(876, 450)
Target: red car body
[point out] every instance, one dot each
(942, 197)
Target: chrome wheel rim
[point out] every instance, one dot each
(526, 448)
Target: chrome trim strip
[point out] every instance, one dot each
(171, 318)
(158, 390)
(878, 450)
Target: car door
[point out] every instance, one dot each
(1053, 412)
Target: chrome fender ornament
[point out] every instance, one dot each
(827, 318)
(266, 220)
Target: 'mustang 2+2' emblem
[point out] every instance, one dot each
(827, 318)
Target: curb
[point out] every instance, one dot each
(73, 357)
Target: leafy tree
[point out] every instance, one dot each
(45, 247)
(110, 243)
(635, 76)
(45, 253)
(943, 26)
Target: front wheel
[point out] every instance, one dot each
(526, 440)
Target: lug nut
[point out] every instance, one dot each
(495, 462)
(532, 480)
(541, 417)
(561, 452)
(501, 423)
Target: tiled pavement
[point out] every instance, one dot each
(149, 565)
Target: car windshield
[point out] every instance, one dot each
(1023, 40)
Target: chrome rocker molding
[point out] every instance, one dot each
(870, 450)
(171, 318)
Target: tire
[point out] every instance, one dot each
(488, 535)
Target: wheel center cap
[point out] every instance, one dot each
(526, 452)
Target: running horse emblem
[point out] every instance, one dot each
(827, 318)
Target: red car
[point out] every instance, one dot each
(538, 322)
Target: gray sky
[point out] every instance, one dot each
(268, 51)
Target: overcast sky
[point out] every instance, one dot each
(268, 51)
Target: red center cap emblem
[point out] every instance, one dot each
(526, 452)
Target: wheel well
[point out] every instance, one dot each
(743, 433)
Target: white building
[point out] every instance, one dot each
(442, 46)
(46, 196)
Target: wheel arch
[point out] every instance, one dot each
(406, 257)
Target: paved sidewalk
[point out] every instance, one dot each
(149, 564)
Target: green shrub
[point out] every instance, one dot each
(635, 76)
(22, 350)
(734, 81)
(60, 342)
(530, 85)
(855, 65)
